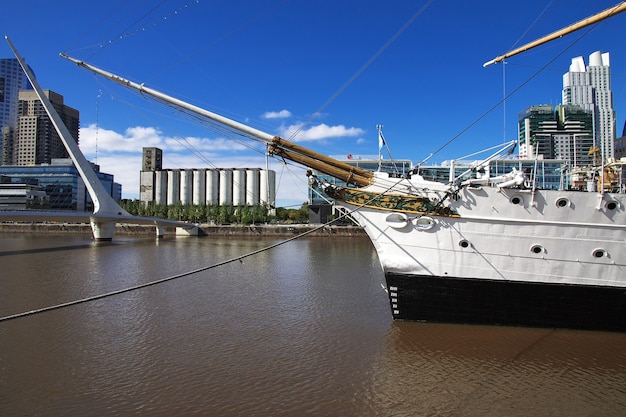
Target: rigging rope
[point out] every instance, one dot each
(126, 32)
(505, 98)
(360, 70)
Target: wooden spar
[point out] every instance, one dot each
(562, 32)
(278, 146)
(285, 144)
(350, 176)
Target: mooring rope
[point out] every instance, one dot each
(195, 271)
(160, 281)
(184, 274)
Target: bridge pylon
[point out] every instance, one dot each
(107, 213)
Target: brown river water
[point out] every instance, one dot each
(300, 329)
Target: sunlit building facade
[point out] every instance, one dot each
(589, 86)
(12, 80)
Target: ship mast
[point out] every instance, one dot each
(612, 11)
(277, 146)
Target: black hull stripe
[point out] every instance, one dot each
(482, 301)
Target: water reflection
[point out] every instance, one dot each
(439, 369)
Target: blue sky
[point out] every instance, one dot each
(341, 67)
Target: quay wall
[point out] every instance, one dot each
(270, 230)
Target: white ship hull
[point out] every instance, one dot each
(507, 256)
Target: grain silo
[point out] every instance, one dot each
(239, 187)
(267, 180)
(253, 192)
(199, 186)
(226, 187)
(160, 187)
(186, 186)
(212, 186)
(173, 186)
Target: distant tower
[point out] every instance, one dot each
(151, 162)
(36, 141)
(152, 159)
(590, 87)
(12, 80)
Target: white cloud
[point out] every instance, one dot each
(283, 114)
(320, 132)
(135, 138)
(120, 154)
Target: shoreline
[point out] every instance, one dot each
(271, 230)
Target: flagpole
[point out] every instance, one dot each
(381, 142)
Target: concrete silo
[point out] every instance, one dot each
(253, 191)
(186, 186)
(239, 187)
(199, 186)
(160, 187)
(267, 180)
(212, 186)
(173, 186)
(226, 187)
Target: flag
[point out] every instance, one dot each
(381, 141)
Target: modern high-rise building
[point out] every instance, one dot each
(589, 86)
(536, 125)
(12, 80)
(35, 140)
(564, 133)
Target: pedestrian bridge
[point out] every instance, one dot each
(107, 213)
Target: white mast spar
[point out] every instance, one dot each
(169, 99)
(598, 17)
(277, 145)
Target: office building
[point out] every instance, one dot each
(35, 140)
(12, 80)
(60, 181)
(589, 86)
(561, 133)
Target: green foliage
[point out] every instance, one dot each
(219, 214)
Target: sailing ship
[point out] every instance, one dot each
(484, 249)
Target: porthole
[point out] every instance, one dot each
(562, 202)
(425, 223)
(397, 220)
(537, 249)
(464, 243)
(599, 253)
(612, 205)
(516, 199)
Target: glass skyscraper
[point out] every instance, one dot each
(12, 80)
(589, 86)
